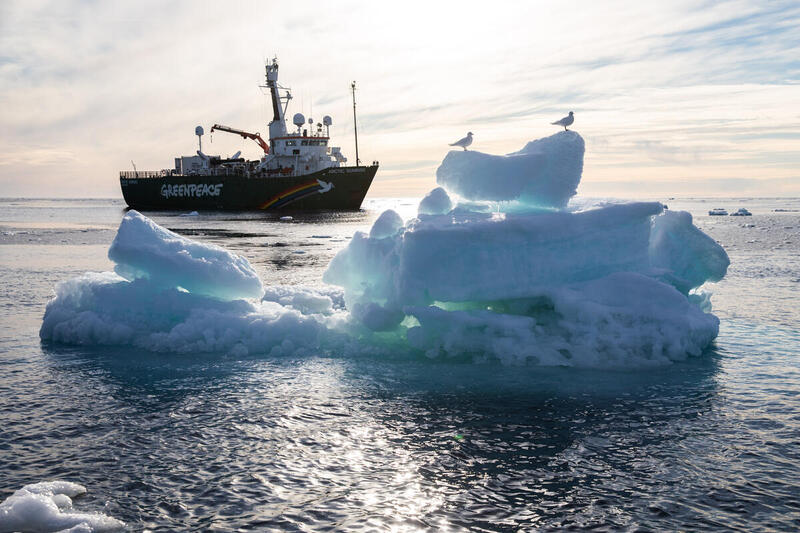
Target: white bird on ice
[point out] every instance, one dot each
(463, 143)
(566, 121)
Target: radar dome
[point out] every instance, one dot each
(327, 120)
(298, 119)
(199, 130)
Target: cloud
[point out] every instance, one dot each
(658, 88)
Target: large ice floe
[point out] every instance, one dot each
(498, 265)
(47, 507)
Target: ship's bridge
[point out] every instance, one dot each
(300, 151)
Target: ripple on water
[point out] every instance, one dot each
(191, 442)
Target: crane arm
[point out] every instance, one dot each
(246, 135)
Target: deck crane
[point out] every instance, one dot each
(245, 135)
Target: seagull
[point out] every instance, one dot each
(466, 141)
(566, 121)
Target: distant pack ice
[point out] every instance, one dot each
(545, 173)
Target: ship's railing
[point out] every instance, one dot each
(141, 174)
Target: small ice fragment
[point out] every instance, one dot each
(47, 506)
(192, 214)
(436, 202)
(387, 225)
(287, 218)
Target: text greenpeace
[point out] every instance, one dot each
(191, 189)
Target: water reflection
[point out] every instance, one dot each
(341, 443)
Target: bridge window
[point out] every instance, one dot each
(291, 143)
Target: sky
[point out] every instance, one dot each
(673, 98)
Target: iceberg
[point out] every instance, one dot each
(547, 282)
(47, 506)
(610, 286)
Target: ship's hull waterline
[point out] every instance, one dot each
(341, 188)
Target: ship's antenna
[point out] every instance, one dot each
(355, 127)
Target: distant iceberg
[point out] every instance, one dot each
(532, 283)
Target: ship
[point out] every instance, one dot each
(299, 170)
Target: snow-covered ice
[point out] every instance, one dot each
(436, 202)
(387, 225)
(104, 309)
(143, 249)
(614, 285)
(545, 173)
(47, 506)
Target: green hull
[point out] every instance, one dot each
(340, 188)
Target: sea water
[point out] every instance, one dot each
(359, 442)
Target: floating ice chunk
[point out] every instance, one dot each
(546, 172)
(687, 256)
(143, 249)
(47, 506)
(597, 288)
(436, 202)
(387, 225)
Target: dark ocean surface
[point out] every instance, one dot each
(171, 442)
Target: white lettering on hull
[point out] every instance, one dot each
(189, 190)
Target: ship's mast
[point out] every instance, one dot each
(355, 128)
(277, 128)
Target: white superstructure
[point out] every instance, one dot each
(302, 151)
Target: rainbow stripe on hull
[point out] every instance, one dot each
(292, 195)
